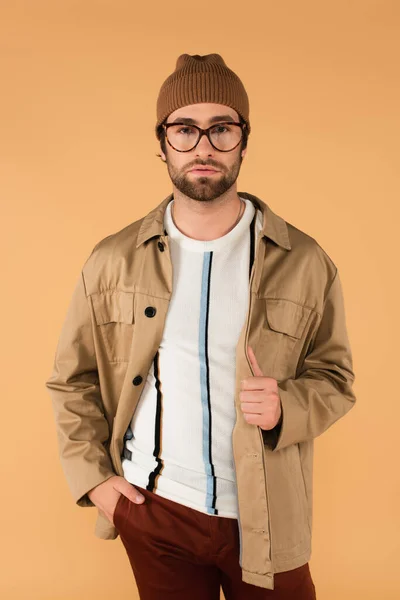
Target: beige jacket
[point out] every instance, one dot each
(296, 326)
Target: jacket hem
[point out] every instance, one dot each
(293, 562)
(266, 580)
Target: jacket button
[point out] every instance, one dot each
(150, 311)
(160, 246)
(137, 380)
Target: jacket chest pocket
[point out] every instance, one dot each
(282, 337)
(114, 315)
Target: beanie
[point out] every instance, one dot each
(201, 79)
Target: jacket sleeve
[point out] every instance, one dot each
(322, 393)
(82, 429)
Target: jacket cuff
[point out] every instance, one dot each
(80, 492)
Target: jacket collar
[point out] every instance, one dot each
(274, 227)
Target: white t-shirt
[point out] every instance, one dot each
(181, 447)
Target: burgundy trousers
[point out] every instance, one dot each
(178, 553)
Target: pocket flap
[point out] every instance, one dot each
(113, 306)
(286, 316)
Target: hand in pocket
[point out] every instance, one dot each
(107, 494)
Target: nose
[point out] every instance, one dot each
(204, 147)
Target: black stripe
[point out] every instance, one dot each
(214, 500)
(252, 241)
(157, 430)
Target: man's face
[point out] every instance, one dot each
(196, 185)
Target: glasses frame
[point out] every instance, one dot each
(205, 132)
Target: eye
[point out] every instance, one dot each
(185, 130)
(219, 129)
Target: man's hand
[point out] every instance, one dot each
(105, 495)
(259, 397)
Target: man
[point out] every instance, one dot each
(204, 349)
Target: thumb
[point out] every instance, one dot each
(129, 490)
(138, 497)
(254, 363)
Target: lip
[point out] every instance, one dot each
(205, 171)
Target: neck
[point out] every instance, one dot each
(207, 219)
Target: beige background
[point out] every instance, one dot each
(78, 162)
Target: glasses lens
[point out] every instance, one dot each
(224, 136)
(182, 137)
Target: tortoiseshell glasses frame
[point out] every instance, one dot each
(205, 132)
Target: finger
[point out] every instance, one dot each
(252, 407)
(257, 371)
(254, 419)
(267, 384)
(252, 395)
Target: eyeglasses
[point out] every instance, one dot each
(224, 136)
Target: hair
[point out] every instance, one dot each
(161, 137)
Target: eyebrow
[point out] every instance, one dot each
(190, 121)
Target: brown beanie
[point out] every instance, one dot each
(201, 79)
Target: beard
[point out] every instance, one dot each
(204, 188)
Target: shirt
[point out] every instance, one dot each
(179, 443)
